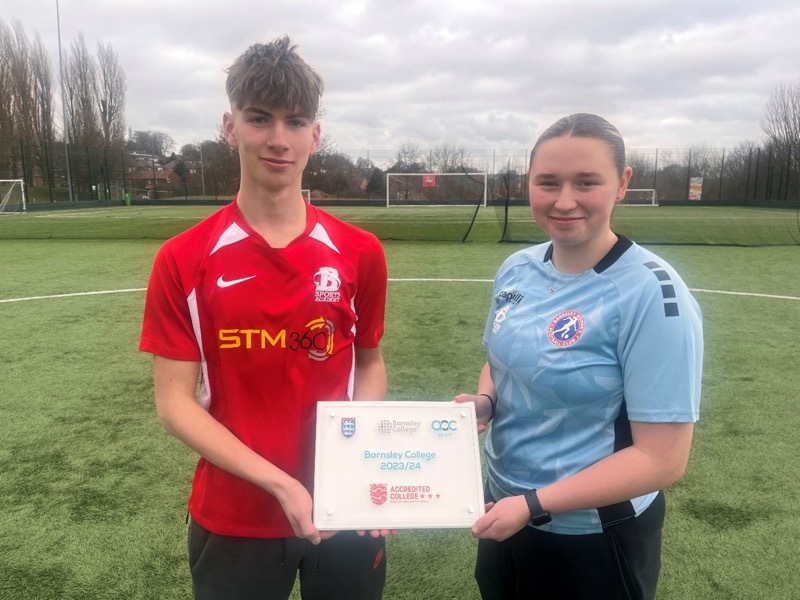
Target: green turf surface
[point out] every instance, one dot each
(94, 491)
(736, 226)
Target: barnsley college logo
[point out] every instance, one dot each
(327, 284)
(348, 426)
(393, 425)
(566, 328)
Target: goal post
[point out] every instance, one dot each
(12, 196)
(436, 189)
(640, 197)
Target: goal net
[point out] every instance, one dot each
(640, 197)
(12, 196)
(436, 189)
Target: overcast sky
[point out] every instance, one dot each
(479, 74)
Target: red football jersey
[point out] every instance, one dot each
(274, 330)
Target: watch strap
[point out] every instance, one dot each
(538, 515)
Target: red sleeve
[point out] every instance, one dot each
(370, 301)
(167, 325)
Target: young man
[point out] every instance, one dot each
(273, 305)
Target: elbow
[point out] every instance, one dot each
(675, 478)
(674, 473)
(166, 419)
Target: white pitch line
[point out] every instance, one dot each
(391, 279)
(438, 280)
(73, 295)
(753, 294)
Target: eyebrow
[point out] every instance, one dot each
(581, 174)
(266, 113)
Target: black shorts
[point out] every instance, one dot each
(621, 563)
(234, 568)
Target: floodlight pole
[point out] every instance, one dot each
(64, 107)
(202, 170)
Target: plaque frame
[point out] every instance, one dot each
(396, 465)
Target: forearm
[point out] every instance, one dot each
(485, 400)
(210, 439)
(626, 474)
(619, 477)
(656, 459)
(184, 418)
(485, 383)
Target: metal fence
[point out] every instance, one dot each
(708, 175)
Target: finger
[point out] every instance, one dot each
(480, 526)
(309, 532)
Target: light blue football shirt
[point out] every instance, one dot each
(621, 342)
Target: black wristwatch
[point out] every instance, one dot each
(538, 514)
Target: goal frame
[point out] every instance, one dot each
(4, 198)
(653, 197)
(484, 176)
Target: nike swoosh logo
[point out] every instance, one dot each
(223, 284)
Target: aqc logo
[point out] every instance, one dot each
(444, 425)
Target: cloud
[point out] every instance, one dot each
(471, 73)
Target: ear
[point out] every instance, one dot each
(317, 133)
(624, 180)
(228, 130)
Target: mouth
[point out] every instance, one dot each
(277, 162)
(565, 220)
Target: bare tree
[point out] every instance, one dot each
(80, 78)
(42, 91)
(739, 171)
(781, 119)
(409, 159)
(448, 158)
(26, 104)
(643, 164)
(781, 124)
(157, 143)
(6, 102)
(17, 53)
(111, 91)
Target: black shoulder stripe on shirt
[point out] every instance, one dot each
(667, 289)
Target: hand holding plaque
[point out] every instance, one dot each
(396, 465)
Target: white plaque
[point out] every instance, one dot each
(396, 465)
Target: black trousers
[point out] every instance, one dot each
(233, 568)
(621, 563)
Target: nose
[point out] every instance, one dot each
(566, 198)
(277, 137)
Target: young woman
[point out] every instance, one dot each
(592, 385)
